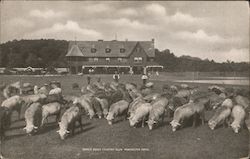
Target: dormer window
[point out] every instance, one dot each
(107, 50)
(93, 50)
(122, 50)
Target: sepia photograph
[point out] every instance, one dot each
(124, 80)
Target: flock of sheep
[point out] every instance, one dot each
(139, 106)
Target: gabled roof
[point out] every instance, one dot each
(83, 48)
(74, 51)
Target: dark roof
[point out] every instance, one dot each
(83, 48)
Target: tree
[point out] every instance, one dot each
(33, 60)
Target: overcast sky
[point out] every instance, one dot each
(213, 30)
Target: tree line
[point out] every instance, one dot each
(51, 53)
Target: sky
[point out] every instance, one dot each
(208, 30)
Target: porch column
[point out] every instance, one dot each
(77, 70)
(145, 70)
(131, 70)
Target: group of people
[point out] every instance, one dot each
(116, 77)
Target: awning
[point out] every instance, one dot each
(104, 66)
(155, 66)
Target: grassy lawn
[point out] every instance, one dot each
(187, 143)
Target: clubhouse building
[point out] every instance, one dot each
(109, 56)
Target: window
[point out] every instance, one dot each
(91, 59)
(107, 50)
(93, 50)
(122, 50)
(95, 59)
(138, 59)
(108, 59)
(119, 59)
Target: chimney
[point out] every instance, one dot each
(153, 40)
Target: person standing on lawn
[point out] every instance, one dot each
(116, 77)
(144, 78)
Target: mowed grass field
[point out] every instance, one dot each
(187, 143)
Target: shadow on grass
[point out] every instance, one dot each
(17, 120)
(10, 137)
(84, 124)
(162, 124)
(120, 119)
(46, 128)
(81, 131)
(16, 127)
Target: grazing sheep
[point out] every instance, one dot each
(55, 91)
(227, 103)
(221, 116)
(68, 121)
(238, 114)
(157, 112)
(140, 114)
(104, 105)
(180, 114)
(85, 102)
(9, 91)
(134, 105)
(33, 118)
(51, 109)
(43, 90)
(193, 109)
(117, 109)
(14, 103)
(243, 101)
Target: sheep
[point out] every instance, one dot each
(51, 109)
(68, 121)
(238, 114)
(14, 103)
(116, 109)
(85, 102)
(33, 118)
(157, 111)
(55, 91)
(140, 114)
(221, 116)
